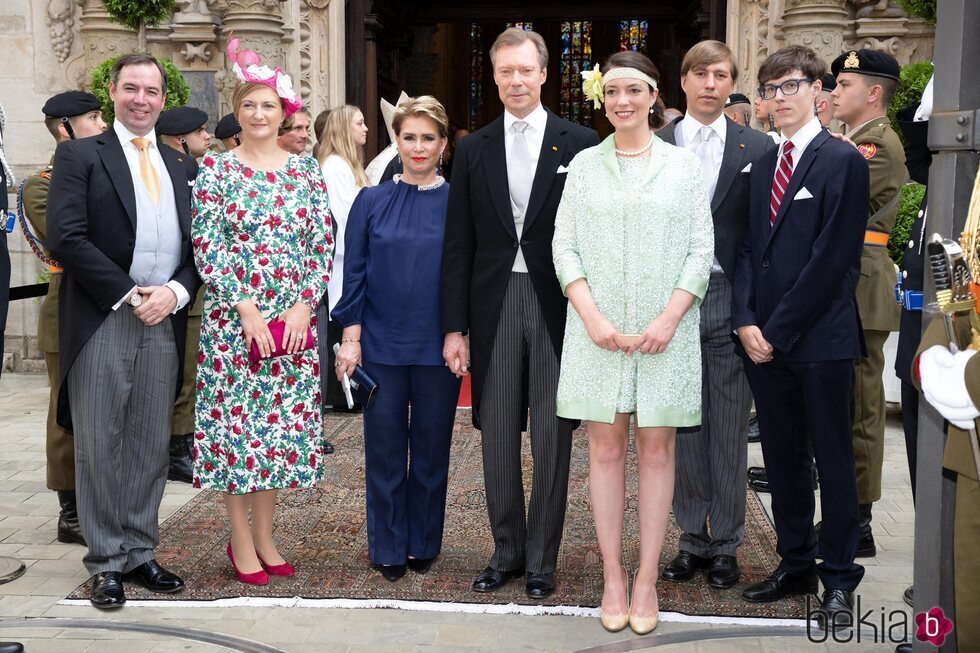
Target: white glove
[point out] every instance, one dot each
(943, 376)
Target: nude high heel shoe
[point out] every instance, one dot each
(643, 625)
(615, 622)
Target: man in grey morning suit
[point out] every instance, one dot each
(709, 486)
(122, 235)
(499, 284)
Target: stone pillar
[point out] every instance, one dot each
(817, 24)
(322, 74)
(881, 25)
(748, 37)
(259, 25)
(102, 38)
(193, 34)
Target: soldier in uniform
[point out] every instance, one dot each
(824, 107)
(951, 383)
(866, 81)
(67, 116)
(229, 132)
(185, 130)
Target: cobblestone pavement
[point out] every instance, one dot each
(29, 610)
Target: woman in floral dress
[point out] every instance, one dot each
(262, 245)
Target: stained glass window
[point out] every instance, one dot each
(527, 25)
(633, 35)
(476, 74)
(576, 56)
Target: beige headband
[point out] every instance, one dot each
(629, 73)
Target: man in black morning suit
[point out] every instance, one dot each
(796, 317)
(499, 286)
(119, 223)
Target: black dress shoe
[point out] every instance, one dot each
(327, 447)
(723, 572)
(760, 485)
(181, 464)
(836, 610)
(908, 597)
(420, 565)
(753, 432)
(69, 531)
(779, 584)
(490, 580)
(391, 572)
(540, 586)
(11, 647)
(904, 647)
(683, 566)
(756, 473)
(107, 590)
(155, 578)
(866, 542)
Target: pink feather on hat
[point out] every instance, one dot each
(247, 66)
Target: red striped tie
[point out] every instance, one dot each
(780, 181)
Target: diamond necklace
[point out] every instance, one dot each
(423, 187)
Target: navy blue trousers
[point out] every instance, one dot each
(406, 460)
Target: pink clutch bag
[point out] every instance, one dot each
(276, 328)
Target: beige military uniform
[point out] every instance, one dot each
(958, 458)
(880, 314)
(183, 418)
(59, 443)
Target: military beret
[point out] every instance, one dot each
(182, 120)
(227, 127)
(70, 104)
(828, 82)
(737, 98)
(866, 62)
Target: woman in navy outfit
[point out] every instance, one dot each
(389, 310)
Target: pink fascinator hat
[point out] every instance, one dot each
(247, 66)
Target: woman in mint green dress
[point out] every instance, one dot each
(632, 248)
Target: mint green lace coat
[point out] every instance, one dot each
(666, 212)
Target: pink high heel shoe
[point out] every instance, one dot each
(254, 578)
(285, 569)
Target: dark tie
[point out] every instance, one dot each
(784, 170)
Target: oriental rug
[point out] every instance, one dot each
(323, 533)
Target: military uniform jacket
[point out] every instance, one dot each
(881, 147)
(958, 455)
(35, 199)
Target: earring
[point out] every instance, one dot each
(651, 108)
(440, 159)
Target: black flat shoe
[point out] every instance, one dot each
(420, 565)
(759, 485)
(11, 647)
(836, 610)
(779, 584)
(155, 578)
(756, 473)
(683, 566)
(107, 591)
(327, 447)
(904, 647)
(723, 572)
(391, 572)
(491, 580)
(540, 586)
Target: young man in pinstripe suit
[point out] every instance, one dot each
(708, 484)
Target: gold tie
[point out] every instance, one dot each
(149, 174)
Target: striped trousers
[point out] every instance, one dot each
(522, 347)
(122, 387)
(709, 483)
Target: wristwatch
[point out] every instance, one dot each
(135, 299)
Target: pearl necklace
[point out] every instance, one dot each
(638, 152)
(423, 187)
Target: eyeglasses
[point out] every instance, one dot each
(789, 87)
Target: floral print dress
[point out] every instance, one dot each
(264, 236)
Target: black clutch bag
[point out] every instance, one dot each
(363, 387)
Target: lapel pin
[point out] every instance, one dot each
(742, 145)
(554, 147)
(180, 160)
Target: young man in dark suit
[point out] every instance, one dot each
(796, 319)
(708, 485)
(122, 235)
(499, 286)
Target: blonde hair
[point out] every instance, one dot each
(704, 54)
(516, 37)
(424, 106)
(336, 137)
(242, 90)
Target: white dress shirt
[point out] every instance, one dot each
(536, 121)
(156, 160)
(801, 139)
(689, 130)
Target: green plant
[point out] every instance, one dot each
(925, 9)
(912, 194)
(178, 91)
(911, 83)
(136, 13)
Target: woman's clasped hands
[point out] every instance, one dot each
(653, 340)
